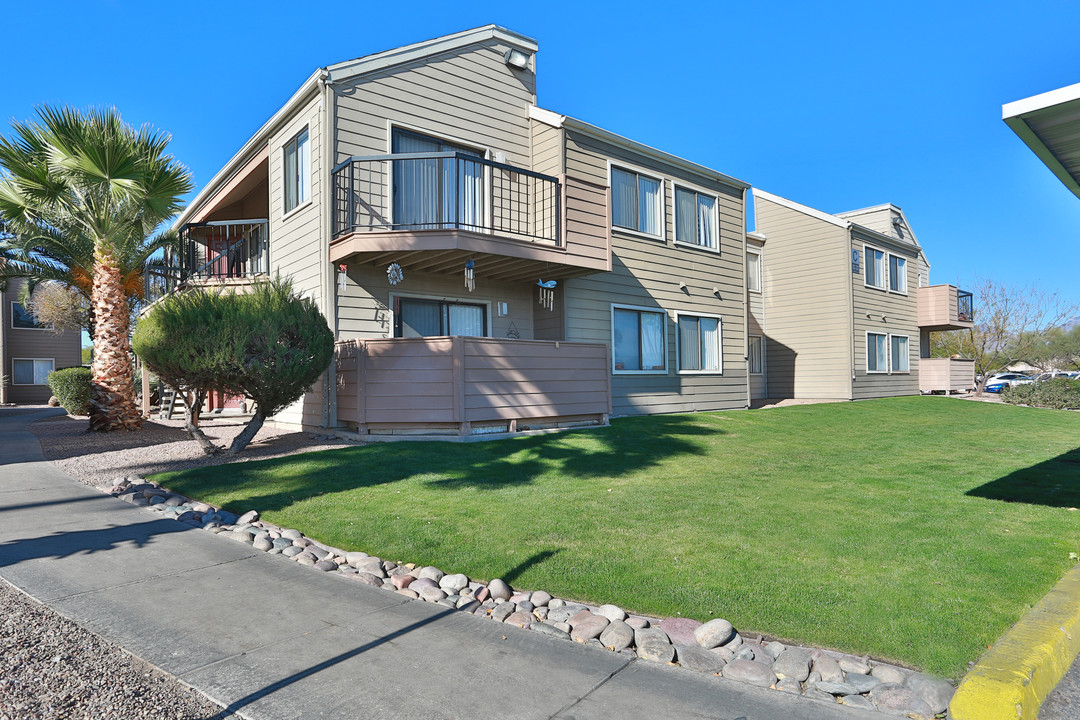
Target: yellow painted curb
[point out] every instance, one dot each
(1013, 678)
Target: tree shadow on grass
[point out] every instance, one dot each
(627, 446)
(1054, 483)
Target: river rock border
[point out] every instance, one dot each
(714, 647)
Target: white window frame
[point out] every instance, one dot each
(759, 276)
(664, 337)
(907, 357)
(26, 311)
(761, 354)
(676, 187)
(51, 361)
(884, 360)
(903, 276)
(661, 201)
(304, 173)
(719, 349)
(884, 267)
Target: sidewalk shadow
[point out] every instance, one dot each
(85, 542)
(1054, 483)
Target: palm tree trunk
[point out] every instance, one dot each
(112, 384)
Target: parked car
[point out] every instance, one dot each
(1000, 381)
(1051, 375)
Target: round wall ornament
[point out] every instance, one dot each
(394, 273)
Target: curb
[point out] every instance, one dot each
(1013, 678)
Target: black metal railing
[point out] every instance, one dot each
(160, 280)
(444, 191)
(224, 249)
(964, 310)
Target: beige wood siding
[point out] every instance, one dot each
(547, 148)
(365, 305)
(900, 313)
(64, 349)
(807, 303)
(297, 240)
(756, 325)
(467, 94)
(647, 272)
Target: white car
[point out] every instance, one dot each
(998, 382)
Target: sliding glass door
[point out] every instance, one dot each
(415, 317)
(434, 193)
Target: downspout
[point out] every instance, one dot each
(745, 305)
(329, 299)
(850, 314)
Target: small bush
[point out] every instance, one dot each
(71, 386)
(1059, 394)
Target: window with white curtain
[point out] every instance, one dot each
(898, 358)
(897, 274)
(434, 193)
(297, 171)
(877, 352)
(755, 354)
(636, 202)
(31, 371)
(699, 344)
(638, 339)
(695, 219)
(753, 271)
(875, 267)
(420, 317)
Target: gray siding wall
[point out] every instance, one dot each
(808, 303)
(366, 307)
(646, 273)
(901, 318)
(296, 239)
(64, 349)
(468, 95)
(548, 154)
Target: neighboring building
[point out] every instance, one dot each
(489, 265)
(849, 305)
(30, 352)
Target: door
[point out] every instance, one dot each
(435, 193)
(417, 317)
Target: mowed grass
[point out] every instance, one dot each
(915, 530)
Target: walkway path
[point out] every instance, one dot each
(270, 639)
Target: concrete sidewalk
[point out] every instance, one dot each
(271, 639)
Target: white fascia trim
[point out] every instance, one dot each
(757, 236)
(1040, 102)
(804, 209)
(251, 147)
(889, 241)
(634, 146)
(547, 117)
(416, 51)
(1035, 143)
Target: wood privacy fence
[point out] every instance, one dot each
(946, 375)
(469, 385)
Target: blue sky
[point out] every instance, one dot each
(838, 106)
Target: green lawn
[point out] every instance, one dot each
(875, 527)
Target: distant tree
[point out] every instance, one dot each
(1058, 350)
(268, 344)
(87, 354)
(1011, 323)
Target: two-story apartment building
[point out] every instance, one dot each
(848, 306)
(489, 265)
(29, 352)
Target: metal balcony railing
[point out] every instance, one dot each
(444, 191)
(964, 310)
(225, 249)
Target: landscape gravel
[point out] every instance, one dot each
(52, 668)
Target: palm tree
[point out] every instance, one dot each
(87, 185)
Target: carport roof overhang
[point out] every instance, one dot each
(1050, 125)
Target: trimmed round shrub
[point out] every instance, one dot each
(71, 386)
(1059, 394)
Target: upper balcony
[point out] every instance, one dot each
(231, 252)
(945, 307)
(434, 210)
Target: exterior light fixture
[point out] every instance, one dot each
(516, 59)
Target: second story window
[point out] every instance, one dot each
(22, 319)
(695, 219)
(897, 274)
(753, 271)
(636, 202)
(297, 171)
(875, 267)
